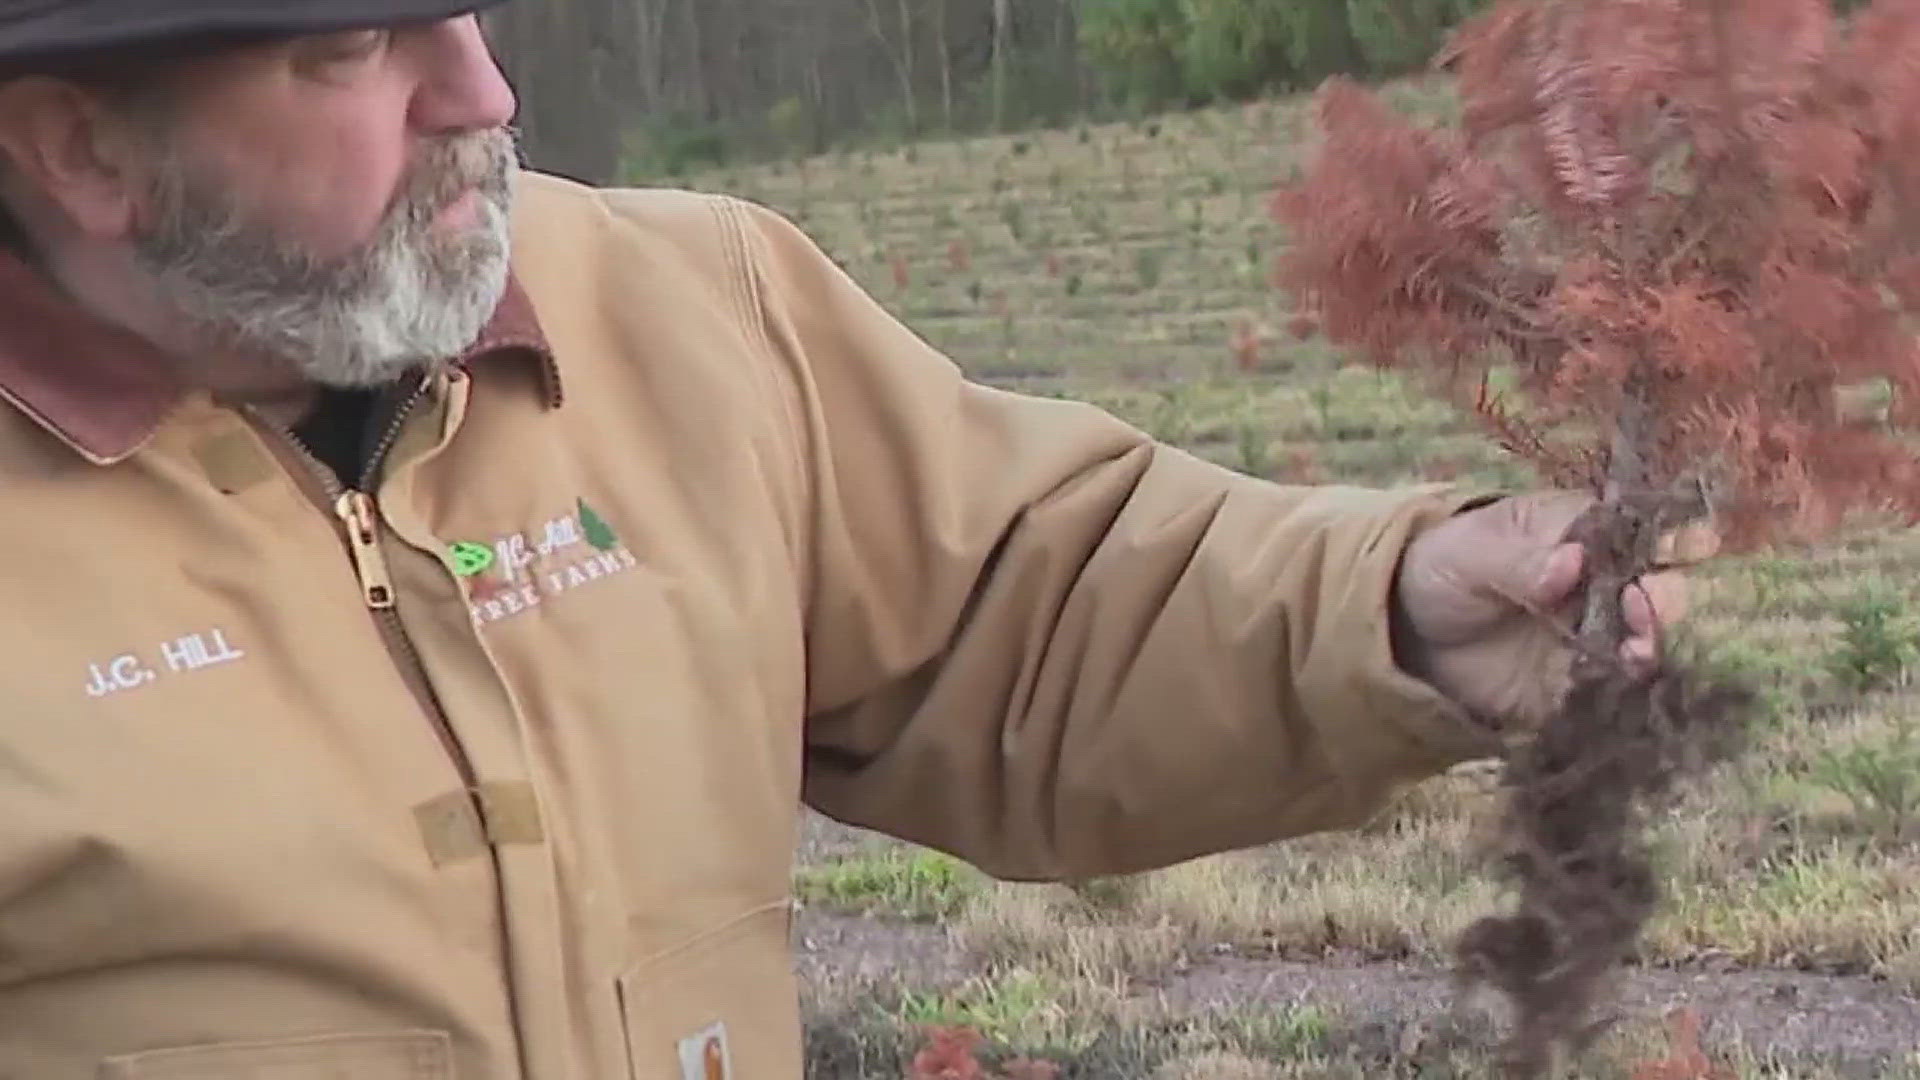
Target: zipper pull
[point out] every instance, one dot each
(363, 538)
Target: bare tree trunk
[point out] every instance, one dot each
(693, 46)
(574, 65)
(816, 107)
(1066, 51)
(909, 59)
(940, 16)
(650, 53)
(901, 58)
(1002, 27)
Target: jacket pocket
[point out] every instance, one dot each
(386, 1055)
(724, 1006)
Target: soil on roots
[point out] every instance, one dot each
(1573, 832)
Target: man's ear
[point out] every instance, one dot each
(63, 142)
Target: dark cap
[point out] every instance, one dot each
(59, 32)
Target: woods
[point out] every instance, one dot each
(653, 86)
(648, 88)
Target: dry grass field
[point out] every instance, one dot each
(1127, 265)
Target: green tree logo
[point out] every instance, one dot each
(470, 559)
(596, 530)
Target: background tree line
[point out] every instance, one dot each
(639, 89)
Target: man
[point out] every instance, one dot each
(415, 659)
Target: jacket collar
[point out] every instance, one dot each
(105, 391)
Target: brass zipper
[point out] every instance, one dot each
(359, 520)
(358, 514)
(377, 454)
(362, 519)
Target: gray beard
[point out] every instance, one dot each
(407, 299)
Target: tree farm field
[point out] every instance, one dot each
(1129, 265)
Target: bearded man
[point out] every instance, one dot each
(417, 656)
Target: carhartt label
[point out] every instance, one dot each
(706, 1056)
(178, 656)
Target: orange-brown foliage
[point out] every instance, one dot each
(1712, 208)
(948, 1055)
(951, 1053)
(1691, 230)
(1686, 1060)
(1245, 345)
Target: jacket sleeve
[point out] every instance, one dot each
(1041, 641)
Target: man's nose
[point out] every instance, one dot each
(462, 87)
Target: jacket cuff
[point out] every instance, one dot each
(1378, 719)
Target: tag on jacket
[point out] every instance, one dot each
(705, 1056)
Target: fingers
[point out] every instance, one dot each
(1639, 654)
(1546, 513)
(1650, 605)
(1692, 543)
(1655, 601)
(1514, 547)
(1558, 575)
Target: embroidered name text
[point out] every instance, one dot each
(131, 671)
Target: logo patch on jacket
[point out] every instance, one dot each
(705, 1056)
(517, 573)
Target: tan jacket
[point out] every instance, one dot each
(492, 771)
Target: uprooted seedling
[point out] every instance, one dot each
(1680, 234)
(1571, 840)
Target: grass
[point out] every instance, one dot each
(911, 884)
(1284, 1041)
(1130, 270)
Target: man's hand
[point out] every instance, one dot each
(1472, 590)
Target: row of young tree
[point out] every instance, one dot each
(616, 88)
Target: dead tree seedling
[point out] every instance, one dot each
(1666, 245)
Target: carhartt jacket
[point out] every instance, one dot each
(488, 766)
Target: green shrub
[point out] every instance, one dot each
(1235, 47)
(1135, 46)
(1162, 52)
(1882, 779)
(1402, 35)
(1319, 40)
(1878, 640)
(671, 146)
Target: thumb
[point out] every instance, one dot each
(1535, 564)
(1550, 576)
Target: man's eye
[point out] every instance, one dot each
(348, 46)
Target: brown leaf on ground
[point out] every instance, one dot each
(1686, 1060)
